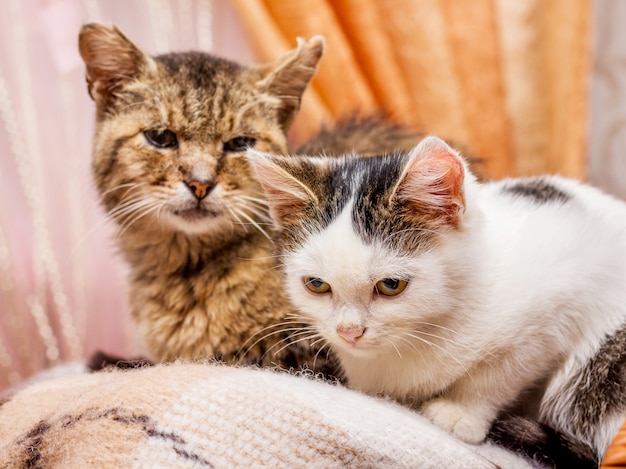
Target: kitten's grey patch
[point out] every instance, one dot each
(600, 385)
(375, 217)
(541, 443)
(539, 190)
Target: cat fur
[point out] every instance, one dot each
(515, 288)
(204, 285)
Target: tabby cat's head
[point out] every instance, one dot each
(171, 129)
(372, 244)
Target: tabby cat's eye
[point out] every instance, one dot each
(161, 138)
(390, 286)
(316, 285)
(239, 144)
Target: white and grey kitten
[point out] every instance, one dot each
(463, 298)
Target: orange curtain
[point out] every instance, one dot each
(505, 79)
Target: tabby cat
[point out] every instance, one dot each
(168, 164)
(462, 298)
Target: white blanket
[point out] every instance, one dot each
(215, 416)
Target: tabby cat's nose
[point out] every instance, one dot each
(200, 188)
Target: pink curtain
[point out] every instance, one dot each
(61, 283)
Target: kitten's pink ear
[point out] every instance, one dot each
(111, 60)
(432, 182)
(287, 196)
(288, 77)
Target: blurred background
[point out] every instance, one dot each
(529, 87)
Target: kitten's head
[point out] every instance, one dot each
(372, 247)
(171, 129)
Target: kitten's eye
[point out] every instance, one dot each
(390, 286)
(316, 285)
(163, 138)
(239, 144)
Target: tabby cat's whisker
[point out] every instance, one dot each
(127, 224)
(130, 185)
(123, 212)
(129, 204)
(83, 238)
(264, 258)
(264, 216)
(253, 223)
(257, 200)
(234, 215)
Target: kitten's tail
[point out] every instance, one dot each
(541, 443)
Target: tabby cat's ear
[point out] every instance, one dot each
(431, 184)
(286, 194)
(288, 77)
(111, 60)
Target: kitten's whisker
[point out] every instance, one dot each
(278, 329)
(432, 324)
(296, 333)
(313, 344)
(410, 344)
(266, 328)
(469, 347)
(393, 344)
(442, 349)
(308, 337)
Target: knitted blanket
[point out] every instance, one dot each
(215, 416)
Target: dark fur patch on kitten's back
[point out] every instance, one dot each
(540, 190)
(601, 385)
(541, 443)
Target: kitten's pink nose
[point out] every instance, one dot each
(350, 333)
(200, 188)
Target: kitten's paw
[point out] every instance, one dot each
(457, 419)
